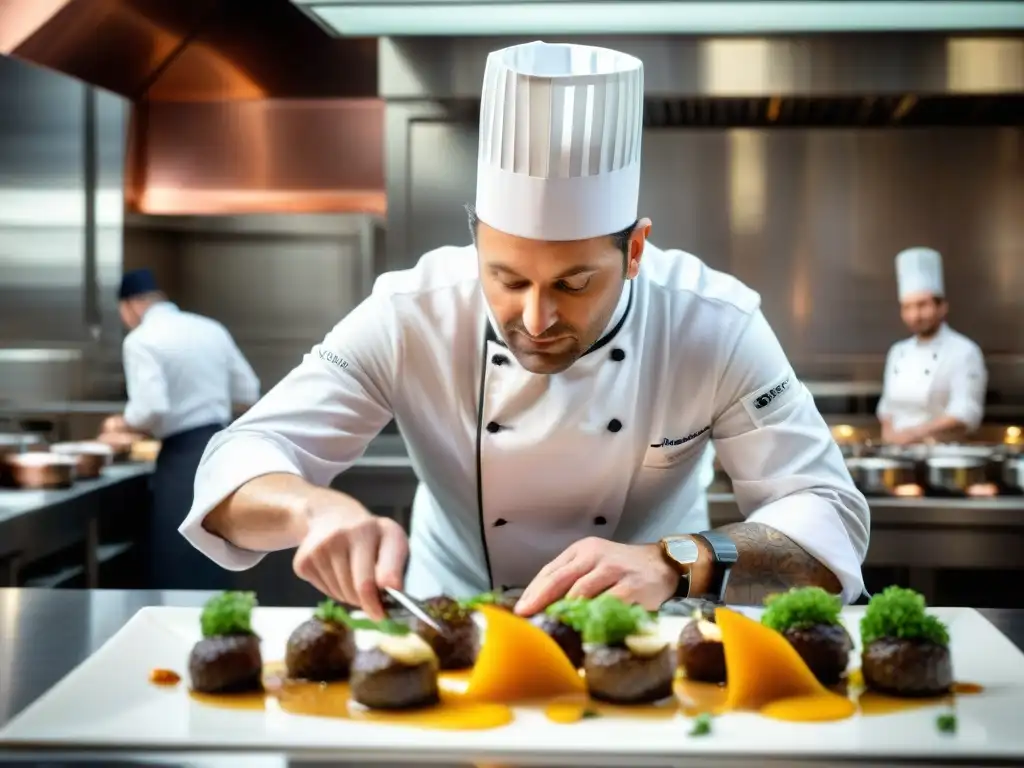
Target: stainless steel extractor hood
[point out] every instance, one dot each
(673, 17)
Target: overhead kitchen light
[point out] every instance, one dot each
(631, 17)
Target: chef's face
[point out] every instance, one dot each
(131, 314)
(923, 313)
(554, 299)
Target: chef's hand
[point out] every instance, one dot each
(113, 424)
(636, 573)
(348, 553)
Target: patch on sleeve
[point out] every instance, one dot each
(763, 402)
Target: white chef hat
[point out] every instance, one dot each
(560, 129)
(919, 270)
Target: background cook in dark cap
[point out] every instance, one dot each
(184, 374)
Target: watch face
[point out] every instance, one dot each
(683, 551)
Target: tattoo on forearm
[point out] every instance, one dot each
(771, 562)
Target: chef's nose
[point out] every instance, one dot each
(539, 313)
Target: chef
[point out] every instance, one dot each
(934, 385)
(183, 374)
(556, 384)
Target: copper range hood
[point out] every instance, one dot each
(238, 106)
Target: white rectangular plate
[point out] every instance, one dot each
(107, 701)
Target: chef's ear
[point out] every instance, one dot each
(637, 239)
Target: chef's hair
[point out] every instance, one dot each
(620, 238)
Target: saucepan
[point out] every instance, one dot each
(91, 457)
(954, 475)
(881, 476)
(37, 470)
(1013, 474)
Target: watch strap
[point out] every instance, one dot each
(724, 556)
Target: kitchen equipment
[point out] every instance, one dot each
(91, 457)
(37, 470)
(1013, 474)
(16, 442)
(881, 476)
(123, 710)
(953, 475)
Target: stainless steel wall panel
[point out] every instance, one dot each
(811, 218)
(827, 65)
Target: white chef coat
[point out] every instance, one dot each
(515, 466)
(183, 371)
(925, 380)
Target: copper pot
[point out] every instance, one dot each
(91, 457)
(37, 470)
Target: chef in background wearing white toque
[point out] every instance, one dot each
(935, 381)
(556, 384)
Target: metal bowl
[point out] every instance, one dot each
(16, 442)
(881, 476)
(37, 470)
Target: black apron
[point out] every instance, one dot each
(170, 561)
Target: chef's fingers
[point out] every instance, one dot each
(543, 591)
(392, 554)
(567, 556)
(363, 557)
(337, 563)
(631, 590)
(594, 583)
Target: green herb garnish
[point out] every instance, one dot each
(946, 722)
(701, 725)
(330, 611)
(590, 713)
(800, 608)
(484, 598)
(897, 612)
(229, 613)
(603, 620)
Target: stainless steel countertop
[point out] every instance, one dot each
(44, 634)
(15, 502)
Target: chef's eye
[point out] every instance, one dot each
(515, 285)
(573, 285)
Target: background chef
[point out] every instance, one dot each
(935, 381)
(184, 375)
(556, 385)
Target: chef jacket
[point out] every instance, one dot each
(516, 466)
(925, 380)
(183, 371)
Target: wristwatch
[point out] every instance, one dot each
(683, 551)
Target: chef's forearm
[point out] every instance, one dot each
(272, 512)
(771, 562)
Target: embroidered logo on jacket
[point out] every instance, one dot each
(332, 357)
(765, 398)
(668, 442)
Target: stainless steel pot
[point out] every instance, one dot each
(953, 475)
(1013, 474)
(879, 476)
